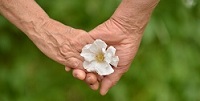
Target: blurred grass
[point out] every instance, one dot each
(166, 68)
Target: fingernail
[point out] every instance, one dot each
(105, 92)
(88, 79)
(67, 69)
(76, 65)
(76, 75)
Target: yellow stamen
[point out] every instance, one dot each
(100, 57)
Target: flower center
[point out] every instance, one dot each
(100, 57)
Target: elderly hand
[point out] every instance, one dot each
(56, 40)
(124, 31)
(126, 44)
(63, 44)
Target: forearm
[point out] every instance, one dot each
(25, 14)
(134, 14)
(28, 16)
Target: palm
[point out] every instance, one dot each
(126, 44)
(115, 35)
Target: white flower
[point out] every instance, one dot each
(98, 59)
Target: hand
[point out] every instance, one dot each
(123, 31)
(126, 43)
(61, 43)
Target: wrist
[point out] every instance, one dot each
(133, 15)
(138, 5)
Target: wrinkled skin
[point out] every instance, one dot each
(63, 43)
(126, 44)
(123, 31)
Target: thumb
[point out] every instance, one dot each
(110, 80)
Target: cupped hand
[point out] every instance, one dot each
(125, 40)
(123, 31)
(63, 44)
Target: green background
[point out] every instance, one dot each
(166, 68)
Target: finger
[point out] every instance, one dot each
(95, 86)
(91, 78)
(99, 78)
(110, 80)
(80, 74)
(74, 63)
(67, 69)
(106, 84)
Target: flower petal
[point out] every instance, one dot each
(114, 61)
(103, 68)
(88, 66)
(108, 57)
(100, 44)
(94, 49)
(111, 50)
(87, 54)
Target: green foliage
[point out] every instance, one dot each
(166, 68)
